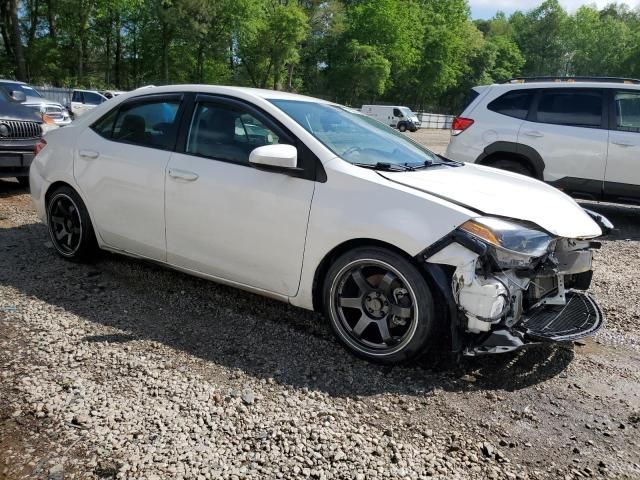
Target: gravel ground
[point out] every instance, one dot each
(123, 369)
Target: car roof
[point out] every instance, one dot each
(12, 81)
(224, 89)
(552, 84)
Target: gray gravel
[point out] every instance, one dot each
(123, 369)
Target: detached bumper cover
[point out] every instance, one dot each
(581, 316)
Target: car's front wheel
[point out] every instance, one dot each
(402, 127)
(379, 305)
(69, 225)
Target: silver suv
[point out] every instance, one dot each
(579, 134)
(30, 97)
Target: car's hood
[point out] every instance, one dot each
(37, 101)
(17, 111)
(496, 192)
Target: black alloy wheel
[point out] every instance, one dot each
(69, 225)
(379, 305)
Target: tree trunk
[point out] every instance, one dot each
(118, 64)
(51, 17)
(165, 53)
(21, 70)
(107, 70)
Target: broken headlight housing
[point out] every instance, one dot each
(512, 245)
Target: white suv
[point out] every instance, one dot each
(581, 135)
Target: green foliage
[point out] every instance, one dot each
(426, 54)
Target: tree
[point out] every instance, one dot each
(271, 41)
(360, 72)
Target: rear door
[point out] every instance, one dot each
(120, 166)
(622, 178)
(568, 128)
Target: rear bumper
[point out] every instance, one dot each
(580, 317)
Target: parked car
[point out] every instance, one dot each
(20, 134)
(111, 93)
(581, 135)
(30, 97)
(85, 100)
(326, 209)
(401, 118)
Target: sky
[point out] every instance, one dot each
(487, 8)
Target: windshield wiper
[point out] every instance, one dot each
(386, 167)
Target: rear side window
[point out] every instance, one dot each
(148, 123)
(514, 104)
(471, 96)
(77, 96)
(628, 111)
(570, 107)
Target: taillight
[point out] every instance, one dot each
(39, 146)
(460, 124)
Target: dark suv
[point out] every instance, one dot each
(20, 133)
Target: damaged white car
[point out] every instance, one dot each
(316, 205)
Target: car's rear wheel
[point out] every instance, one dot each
(379, 305)
(69, 225)
(512, 166)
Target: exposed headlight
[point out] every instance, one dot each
(513, 245)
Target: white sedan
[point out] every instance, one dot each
(314, 204)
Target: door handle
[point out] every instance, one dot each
(183, 175)
(533, 133)
(624, 144)
(89, 154)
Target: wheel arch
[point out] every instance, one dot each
(435, 284)
(61, 183)
(524, 154)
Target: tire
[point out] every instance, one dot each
(512, 166)
(402, 127)
(70, 227)
(23, 181)
(379, 305)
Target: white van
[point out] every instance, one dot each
(401, 118)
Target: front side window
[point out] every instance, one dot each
(91, 98)
(571, 107)
(225, 133)
(397, 112)
(513, 104)
(628, 111)
(150, 124)
(354, 137)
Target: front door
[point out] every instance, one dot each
(622, 178)
(120, 165)
(226, 218)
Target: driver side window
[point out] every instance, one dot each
(225, 133)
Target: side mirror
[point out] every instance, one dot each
(275, 157)
(18, 96)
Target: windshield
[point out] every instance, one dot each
(26, 89)
(354, 137)
(407, 112)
